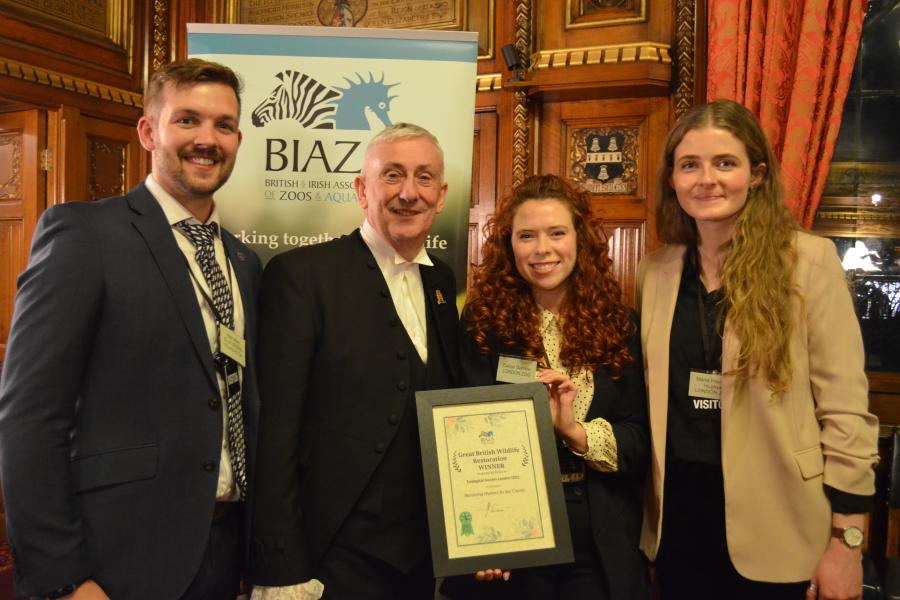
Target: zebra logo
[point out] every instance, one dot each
(317, 106)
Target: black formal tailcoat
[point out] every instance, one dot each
(335, 382)
(110, 425)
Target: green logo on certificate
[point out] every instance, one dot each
(465, 521)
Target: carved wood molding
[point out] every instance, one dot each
(523, 29)
(520, 137)
(598, 55)
(107, 168)
(488, 83)
(685, 44)
(160, 51)
(833, 214)
(11, 189)
(41, 76)
(520, 107)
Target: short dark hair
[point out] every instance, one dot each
(189, 72)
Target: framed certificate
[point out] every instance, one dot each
(492, 480)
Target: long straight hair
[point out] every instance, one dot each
(758, 273)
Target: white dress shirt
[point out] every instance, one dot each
(405, 284)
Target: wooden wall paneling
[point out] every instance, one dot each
(629, 215)
(100, 44)
(48, 89)
(113, 158)
(626, 241)
(601, 59)
(884, 397)
(182, 12)
(481, 17)
(484, 183)
(608, 28)
(503, 33)
(22, 191)
(67, 178)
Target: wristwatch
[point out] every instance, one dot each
(851, 536)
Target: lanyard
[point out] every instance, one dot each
(705, 336)
(209, 301)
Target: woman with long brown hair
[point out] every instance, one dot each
(762, 440)
(544, 291)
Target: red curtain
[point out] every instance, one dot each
(790, 62)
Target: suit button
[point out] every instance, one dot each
(214, 403)
(371, 264)
(385, 294)
(209, 466)
(279, 545)
(394, 419)
(393, 321)
(401, 354)
(379, 447)
(401, 385)
(578, 491)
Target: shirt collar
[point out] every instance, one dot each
(173, 209)
(385, 254)
(549, 321)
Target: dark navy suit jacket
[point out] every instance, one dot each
(110, 434)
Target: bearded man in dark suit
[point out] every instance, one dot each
(128, 401)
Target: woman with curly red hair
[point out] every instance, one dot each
(544, 291)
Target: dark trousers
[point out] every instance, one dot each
(693, 561)
(219, 575)
(582, 579)
(352, 575)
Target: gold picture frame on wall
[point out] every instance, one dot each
(453, 15)
(94, 22)
(601, 13)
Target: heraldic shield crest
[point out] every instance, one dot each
(604, 159)
(604, 156)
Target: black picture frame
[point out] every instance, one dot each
(472, 400)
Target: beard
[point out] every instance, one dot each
(175, 171)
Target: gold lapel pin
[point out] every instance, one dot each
(439, 297)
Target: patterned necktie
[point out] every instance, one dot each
(202, 236)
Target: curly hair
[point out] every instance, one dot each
(757, 276)
(502, 310)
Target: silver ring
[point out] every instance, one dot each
(813, 588)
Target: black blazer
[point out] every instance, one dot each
(614, 498)
(107, 429)
(333, 383)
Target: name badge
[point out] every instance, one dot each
(515, 369)
(705, 385)
(232, 345)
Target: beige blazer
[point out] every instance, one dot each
(776, 454)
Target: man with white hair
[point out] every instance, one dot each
(350, 330)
